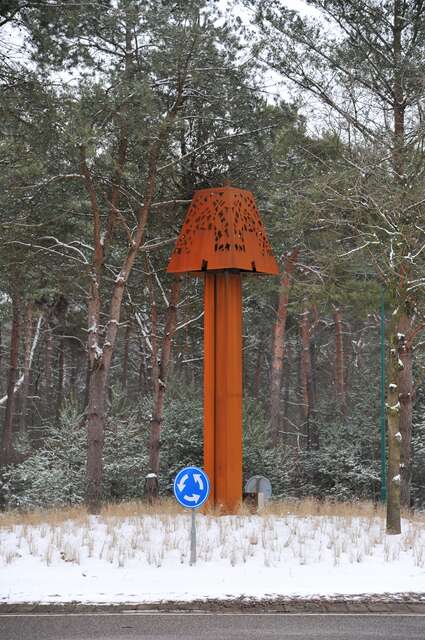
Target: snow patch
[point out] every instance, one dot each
(98, 352)
(120, 277)
(145, 558)
(393, 407)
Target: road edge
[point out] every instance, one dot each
(403, 603)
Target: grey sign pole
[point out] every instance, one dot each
(193, 539)
(191, 488)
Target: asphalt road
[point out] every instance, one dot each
(159, 626)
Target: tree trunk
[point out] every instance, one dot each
(398, 406)
(1, 358)
(73, 368)
(48, 370)
(340, 383)
(393, 524)
(124, 379)
(187, 366)
(154, 343)
(27, 358)
(278, 348)
(307, 381)
(101, 345)
(405, 382)
(305, 372)
(256, 382)
(286, 389)
(143, 369)
(315, 435)
(95, 436)
(61, 378)
(160, 388)
(399, 104)
(6, 452)
(87, 383)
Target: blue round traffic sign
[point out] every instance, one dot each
(191, 487)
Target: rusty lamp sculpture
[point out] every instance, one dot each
(224, 237)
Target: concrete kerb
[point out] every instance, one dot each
(402, 603)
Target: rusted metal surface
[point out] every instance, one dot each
(223, 230)
(223, 388)
(209, 381)
(223, 236)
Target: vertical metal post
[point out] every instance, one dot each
(210, 381)
(193, 539)
(223, 388)
(382, 413)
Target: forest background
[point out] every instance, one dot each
(112, 114)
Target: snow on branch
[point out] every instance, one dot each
(363, 246)
(155, 245)
(59, 243)
(51, 249)
(143, 330)
(21, 380)
(185, 324)
(159, 283)
(212, 142)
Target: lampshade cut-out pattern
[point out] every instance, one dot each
(223, 230)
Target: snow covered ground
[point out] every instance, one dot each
(145, 557)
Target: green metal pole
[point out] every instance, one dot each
(382, 413)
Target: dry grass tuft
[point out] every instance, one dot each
(310, 507)
(166, 507)
(52, 517)
(139, 508)
(304, 531)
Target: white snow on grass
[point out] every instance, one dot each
(145, 558)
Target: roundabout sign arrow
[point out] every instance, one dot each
(191, 487)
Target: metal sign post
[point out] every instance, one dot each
(193, 539)
(191, 489)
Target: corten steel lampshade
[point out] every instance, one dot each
(223, 230)
(223, 236)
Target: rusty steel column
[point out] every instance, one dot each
(223, 388)
(209, 381)
(223, 237)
